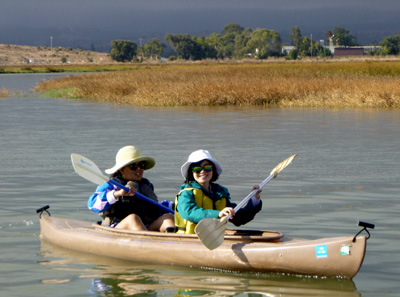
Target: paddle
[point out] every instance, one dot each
(89, 170)
(211, 231)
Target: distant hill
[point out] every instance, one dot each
(13, 55)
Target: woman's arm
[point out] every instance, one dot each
(102, 198)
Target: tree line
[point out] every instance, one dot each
(236, 42)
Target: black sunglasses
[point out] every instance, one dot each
(135, 166)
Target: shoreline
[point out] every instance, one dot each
(32, 59)
(124, 66)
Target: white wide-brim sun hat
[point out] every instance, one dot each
(196, 157)
(128, 155)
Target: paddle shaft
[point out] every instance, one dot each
(126, 189)
(274, 173)
(248, 197)
(137, 194)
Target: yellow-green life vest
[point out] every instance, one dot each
(203, 201)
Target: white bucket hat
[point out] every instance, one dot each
(196, 157)
(128, 155)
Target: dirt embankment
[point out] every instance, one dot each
(16, 55)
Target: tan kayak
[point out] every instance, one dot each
(242, 250)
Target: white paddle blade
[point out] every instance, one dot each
(211, 232)
(88, 169)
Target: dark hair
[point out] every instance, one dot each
(190, 176)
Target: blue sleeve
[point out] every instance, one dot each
(98, 200)
(189, 210)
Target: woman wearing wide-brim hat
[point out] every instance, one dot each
(200, 197)
(123, 210)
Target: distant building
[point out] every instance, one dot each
(287, 48)
(370, 47)
(353, 50)
(340, 50)
(348, 51)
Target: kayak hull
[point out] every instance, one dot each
(252, 252)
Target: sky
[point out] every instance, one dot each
(77, 23)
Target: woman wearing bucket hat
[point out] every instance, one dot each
(123, 210)
(200, 197)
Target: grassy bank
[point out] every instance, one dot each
(281, 84)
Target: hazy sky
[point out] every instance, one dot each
(20, 19)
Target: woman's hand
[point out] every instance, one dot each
(121, 192)
(257, 195)
(226, 212)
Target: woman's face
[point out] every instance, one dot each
(133, 172)
(203, 173)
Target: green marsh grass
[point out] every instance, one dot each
(61, 93)
(278, 84)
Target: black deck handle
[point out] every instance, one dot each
(365, 225)
(42, 209)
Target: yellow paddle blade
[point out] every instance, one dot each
(282, 165)
(211, 232)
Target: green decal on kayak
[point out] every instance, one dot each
(345, 249)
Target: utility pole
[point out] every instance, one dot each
(141, 49)
(51, 49)
(311, 45)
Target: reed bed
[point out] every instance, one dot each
(4, 93)
(281, 84)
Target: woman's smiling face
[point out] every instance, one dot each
(133, 172)
(203, 173)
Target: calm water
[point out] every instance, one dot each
(348, 169)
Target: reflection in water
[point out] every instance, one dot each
(112, 277)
